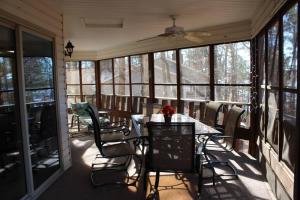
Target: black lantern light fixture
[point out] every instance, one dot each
(69, 49)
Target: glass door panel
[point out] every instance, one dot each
(41, 106)
(12, 170)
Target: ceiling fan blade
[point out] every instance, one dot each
(193, 38)
(165, 34)
(198, 33)
(150, 38)
(179, 33)
(160, 35)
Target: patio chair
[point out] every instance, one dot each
(113, 149)
(79, 115)
(211, 114)
(212, 110)
(171, 149)
(110, 132)
(229, 137)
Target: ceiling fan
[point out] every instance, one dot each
(178, 32)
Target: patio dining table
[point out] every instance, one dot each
(140, 130)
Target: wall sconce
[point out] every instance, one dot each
(69, 49)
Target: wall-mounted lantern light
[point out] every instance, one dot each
(69, 49)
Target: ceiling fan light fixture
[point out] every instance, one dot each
(178, 32)
(175, 29)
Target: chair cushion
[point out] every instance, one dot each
(117, 150)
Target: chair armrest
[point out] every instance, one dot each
(120, 129)
(199, 149)
(220, 128)
(123, 122)
(112, 129)
(126, 139)
(118, 126)
(131, 138)
(221, 136)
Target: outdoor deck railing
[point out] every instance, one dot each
(119, 108)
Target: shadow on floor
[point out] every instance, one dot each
(75, 183)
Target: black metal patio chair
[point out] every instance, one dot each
(212, 109)
(112, 145)
(229, 136)
(171, 149)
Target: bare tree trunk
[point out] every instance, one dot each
(165, 72)
(225, 69)
(122, 78)
(294, 57)
(272, 71)
(233, 70)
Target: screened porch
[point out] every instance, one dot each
(90, 87)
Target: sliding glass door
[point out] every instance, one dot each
(29, 153)
(12, 167)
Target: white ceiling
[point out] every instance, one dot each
(145, 18)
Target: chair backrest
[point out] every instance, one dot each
(80, 108)
(93, 112)
(151, 108)
(232, 123)
(171, 146)
(144, 109)
(212, 109)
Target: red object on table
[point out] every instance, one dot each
(168, 110)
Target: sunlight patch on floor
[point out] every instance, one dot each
(253, 169)
(89, 155)
(236, 165)
(80, 143)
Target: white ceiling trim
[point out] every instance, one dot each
(220, 34)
